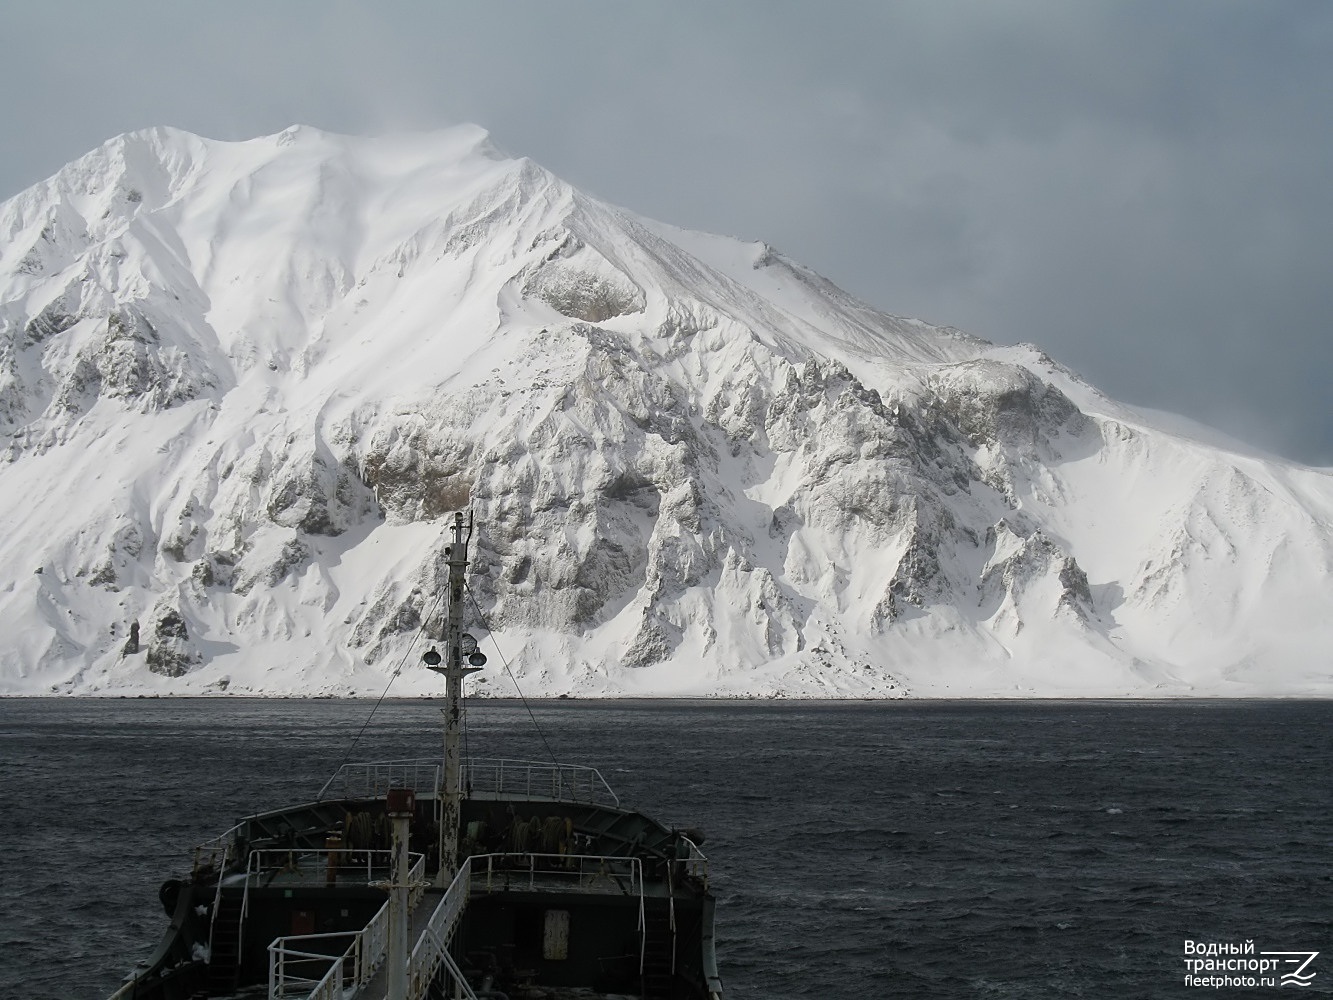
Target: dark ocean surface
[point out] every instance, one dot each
(916, 850)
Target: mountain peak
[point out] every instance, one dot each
(242, 382)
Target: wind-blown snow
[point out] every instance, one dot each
(244, 385)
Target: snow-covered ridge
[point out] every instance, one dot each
(242, 385)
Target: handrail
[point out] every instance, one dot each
(364, 954)
(217, 893)
(504, 778)
(593, 867)
(696, 862)
(531, 779)
(671, 911)
(282, 956)
(254, 866)
(431, 949)
(225, 841)
(373, 779)
(708, 967)
(205, 858)
(692, 864)
(442, 950)
(424, 961)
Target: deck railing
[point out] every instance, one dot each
(528, 779)
(482, 778)
(290, 860)
(217, 853)
(501, 872)
(211, 856)
(431, 948)
(214, 856)
(294, 972)
(374, 779)
(696, 862)
(292, 961)
(276, 860)
(590, 872)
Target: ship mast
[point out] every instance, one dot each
(454, 671)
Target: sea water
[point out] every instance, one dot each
(906, 849)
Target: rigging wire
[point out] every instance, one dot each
(439, 596)
(482, 618)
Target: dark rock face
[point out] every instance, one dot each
(318, 496)
(993, 403)
(169, 651)
(128, 360)
(131, 646)
(49, 322)
(418, 476)
(580, 283)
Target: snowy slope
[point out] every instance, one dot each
(243, 384)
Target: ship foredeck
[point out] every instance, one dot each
(533, 837)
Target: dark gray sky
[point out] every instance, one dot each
(1142, 189)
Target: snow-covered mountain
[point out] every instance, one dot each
(243, 385)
